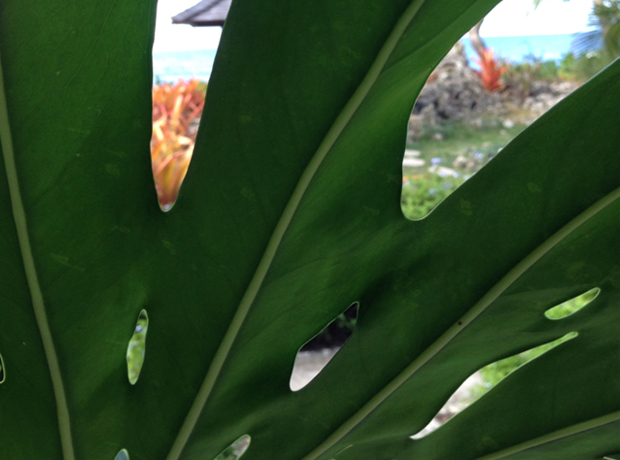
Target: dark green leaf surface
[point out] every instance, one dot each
(290, 213)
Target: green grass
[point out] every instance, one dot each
(426, 186)
(461, 139)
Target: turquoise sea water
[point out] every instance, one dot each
(518, 49)
(170, 66)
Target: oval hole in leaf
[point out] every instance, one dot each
(2, 372)
(122, 455)
(177, 108)
(137, 348)
(480, 382)
(573, 305)
(236, 449)
(314, 355)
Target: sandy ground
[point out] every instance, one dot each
(309, 363)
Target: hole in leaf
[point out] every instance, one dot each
(122, 455)
(236, 449)
(479, 383)
(422, 192)
(137, 348)
(2, 372)
(453, 131)
(177, 108)
(314, 355)
(573, 305)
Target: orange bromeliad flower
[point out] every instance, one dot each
(175, 107)
(490, 70)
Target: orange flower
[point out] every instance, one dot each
(491, 71)
(175, 107)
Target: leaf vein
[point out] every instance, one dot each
(477, 309)
(341, 121)
(38, 304)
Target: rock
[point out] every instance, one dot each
(563, 88)
(476, 122)
(508, 123)
(454, 91)
(438, 137)
(540, 87)
(460, 162)
(413, 162)
(545, 95)
(412, 153)
(470, 163)
(442, 171)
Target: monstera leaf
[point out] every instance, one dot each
(289, 214)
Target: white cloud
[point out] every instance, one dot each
(509, 18)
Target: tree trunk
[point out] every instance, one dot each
(476, 41)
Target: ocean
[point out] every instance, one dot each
(174, 65)
(519, 49)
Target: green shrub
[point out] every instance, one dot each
(582, 66)
(423, 192)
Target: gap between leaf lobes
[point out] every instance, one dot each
(333, 134)
(334, 336)
(136, 349)
(122, 455)
(477, 309)
(2, 372)
(498, 371)
(236, 449)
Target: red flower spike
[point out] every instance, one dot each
(491, 71)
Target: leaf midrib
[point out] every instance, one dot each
(281, 227)
(478, 308)
(38, 304)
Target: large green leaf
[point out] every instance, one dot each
(289, 214)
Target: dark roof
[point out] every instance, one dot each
(205, 13)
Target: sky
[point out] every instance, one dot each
(509, 18)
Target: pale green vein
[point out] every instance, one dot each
(36, 295)
(289, 211)
(555, 436)
(472, 314)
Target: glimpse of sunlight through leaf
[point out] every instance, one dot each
(342, 326)
(136, 349)
(573, 305)
(492, 374)
(236, 449)
(122, 455)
